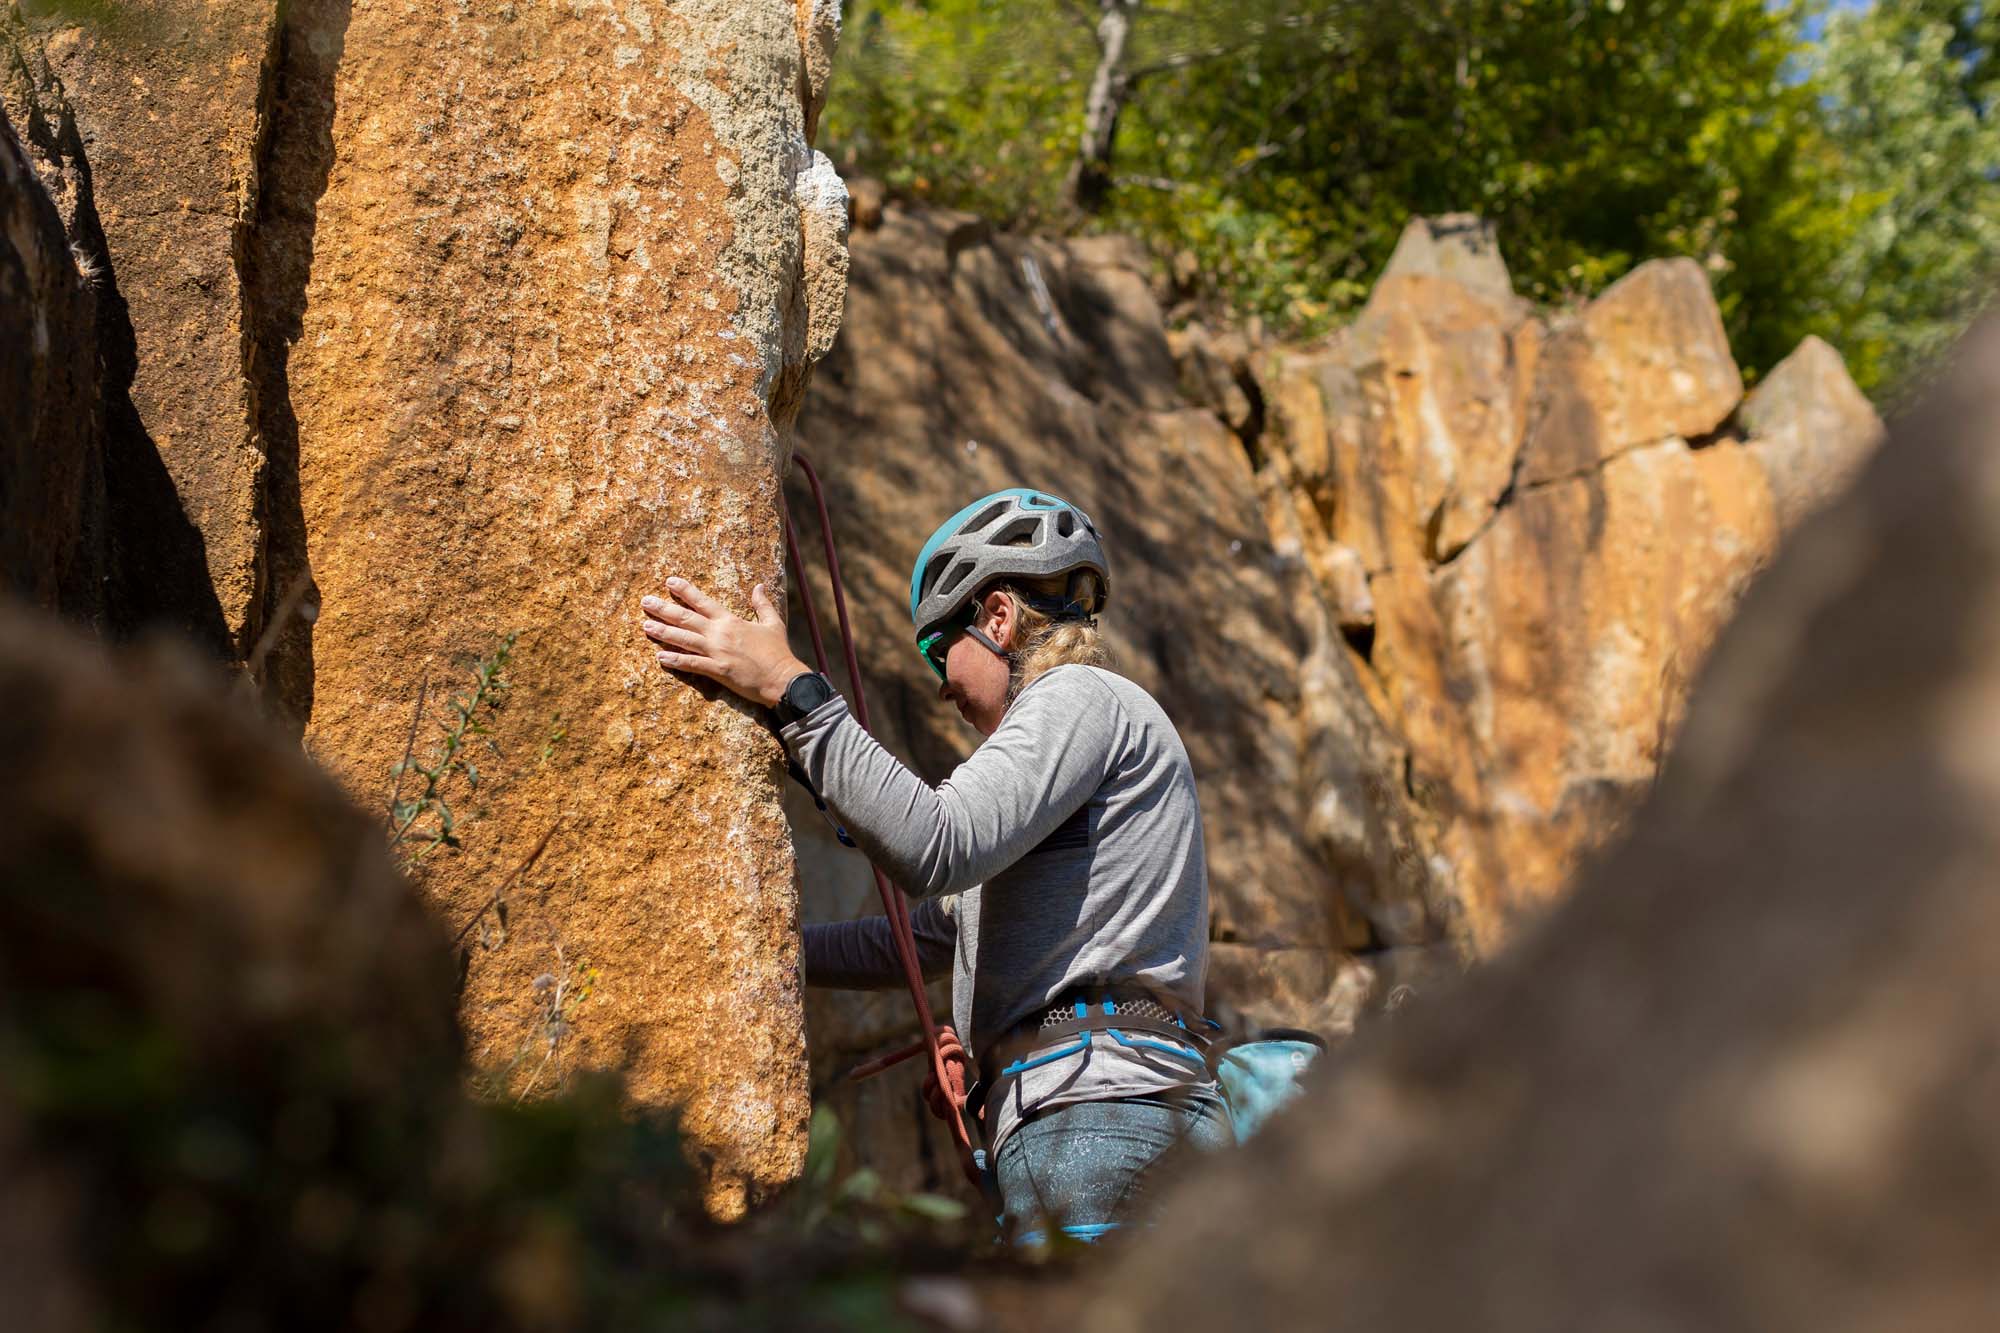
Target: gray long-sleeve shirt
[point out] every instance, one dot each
(1064, 856)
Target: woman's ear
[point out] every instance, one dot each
(1001, 622)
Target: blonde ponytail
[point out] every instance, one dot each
(1042, 643)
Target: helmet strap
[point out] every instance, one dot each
(1075, 605)
(1062, 609)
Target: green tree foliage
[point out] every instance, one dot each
(1909, 90)
(1594, 135)
(1276, 147)
(962, 102)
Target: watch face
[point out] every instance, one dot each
(807, 693)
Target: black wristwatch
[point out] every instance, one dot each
(807, 692)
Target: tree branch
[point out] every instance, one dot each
(1267, 151)
(1079, 15)
(1164, 183)
(1186, 59)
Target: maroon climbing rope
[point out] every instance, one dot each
(948, 1061)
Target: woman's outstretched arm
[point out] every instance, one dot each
(1051, 751)
(1050, 754)
(860, 955)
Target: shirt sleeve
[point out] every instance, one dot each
(1051, 752)
(861, 955)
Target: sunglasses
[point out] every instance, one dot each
(933, 646)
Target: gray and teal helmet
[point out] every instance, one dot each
(1017, 533)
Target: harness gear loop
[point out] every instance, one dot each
(949, 1064)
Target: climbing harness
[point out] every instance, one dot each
(1135, 1021)
(949, 1070)
(1257, 1074)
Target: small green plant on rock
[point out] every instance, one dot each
(558, 733)
(426, 821)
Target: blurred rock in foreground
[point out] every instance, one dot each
(230, 1072)
(227, 1053)
(1744, 1078)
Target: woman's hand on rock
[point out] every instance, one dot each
(699, 635)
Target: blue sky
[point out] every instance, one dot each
(1814, 24)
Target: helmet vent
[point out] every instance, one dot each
(1025, 530)
(984, 517)
(953, 577)
(934, 571)
(1065, 523)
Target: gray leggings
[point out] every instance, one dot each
(1092, 1167)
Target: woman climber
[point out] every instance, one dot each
(1060, 868)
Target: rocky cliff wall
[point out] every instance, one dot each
(1530, 528)
(423, 330)
(143, 120)
(558, 287)
(53, 546)
(1424, 599)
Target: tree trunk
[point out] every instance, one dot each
(1090, 176)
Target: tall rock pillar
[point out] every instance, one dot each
(567, 260)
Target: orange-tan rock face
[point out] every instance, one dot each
(557, 277)
(1742, 1078)
(159, 102)
(1554, 520)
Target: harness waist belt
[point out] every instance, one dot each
(1035, 1042)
